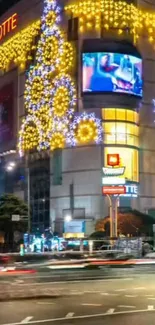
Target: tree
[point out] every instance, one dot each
(11, 205)
(130, 222)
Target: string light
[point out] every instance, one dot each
(17, 49)
(120, 15)
(57, 141)
(115, 14)
(50, 94)
(87, 128)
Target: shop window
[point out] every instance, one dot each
(121, 133)
(120, 114)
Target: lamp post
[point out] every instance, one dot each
(28, 199)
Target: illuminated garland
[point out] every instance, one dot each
(107, 14)
(87, 128)
(31, 125)
(120, 15)
(50, 94)
(17, 50)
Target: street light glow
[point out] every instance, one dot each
(9, 168)
(68, 218)
(12, 164)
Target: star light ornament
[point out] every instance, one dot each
(50, 93)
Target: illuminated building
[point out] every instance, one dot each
(88, 94)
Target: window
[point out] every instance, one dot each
(120, 114)
(129, 158)
(73, 26)
(121, 133)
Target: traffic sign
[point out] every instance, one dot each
(15, 217)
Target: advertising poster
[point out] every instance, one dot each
(74, 226)
(112, 72)
(6, 113)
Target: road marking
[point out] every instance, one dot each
(108, 294)
(86, 316)
(92, 291)
(18, 281)
(76, 293)
(26, 320)
(131, 296)
(120, 290)
(45, 303)
(151, 298)
(150, 307)
(148, 295)
(139, 288)
(95, 305)
(70, 315)
(125, 306)
(110, 311)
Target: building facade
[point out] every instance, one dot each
(113, 75)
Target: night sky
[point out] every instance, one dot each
(6, 4)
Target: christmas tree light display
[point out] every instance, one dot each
(50, 94)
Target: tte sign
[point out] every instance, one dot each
(8, 25)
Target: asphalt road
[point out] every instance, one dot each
(45, 275)
(108, 301)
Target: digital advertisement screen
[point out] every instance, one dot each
(111, 72)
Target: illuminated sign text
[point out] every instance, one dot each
(111, 190)
(8, 25)
(113, 181)
(108, 171)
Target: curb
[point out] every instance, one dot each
(30, 298)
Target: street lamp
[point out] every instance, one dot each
(68, 218)
(10, 166)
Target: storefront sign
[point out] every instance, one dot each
(109, 171)
(74, 226)
(113, 159)
(113, 190)
(113, 181)
(8, 25)
(131, 190)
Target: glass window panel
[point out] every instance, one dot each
(121, 114)
(136, 117)
(130, 116)
(132, 129)
(109, 138)
(108, 113)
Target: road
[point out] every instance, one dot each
(107, 301)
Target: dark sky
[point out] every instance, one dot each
(6, 4)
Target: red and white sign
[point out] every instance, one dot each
(113, 159)
(8, 25)
(113, 190)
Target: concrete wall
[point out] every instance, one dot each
(147, 124)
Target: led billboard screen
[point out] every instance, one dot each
(111, 72)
